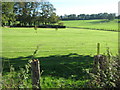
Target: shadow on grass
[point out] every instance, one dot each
(64, 66)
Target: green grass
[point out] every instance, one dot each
(93, 24)
(64, 54)
(23, 41)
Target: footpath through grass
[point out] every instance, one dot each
(93, 24)
(64, 54)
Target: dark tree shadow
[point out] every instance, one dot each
(57, 65)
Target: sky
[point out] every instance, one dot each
(85, 6)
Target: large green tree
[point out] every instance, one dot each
(48, 13)
(23, 11)
(53, 18)
(28, 13)
(111, 17)
(8, 17)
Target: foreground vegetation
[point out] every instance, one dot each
(58, 70)
(65, 55)
(104, 73)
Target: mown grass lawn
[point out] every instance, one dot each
(64, 54)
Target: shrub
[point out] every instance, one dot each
(61, 24)
(105, 73)
(17, 79)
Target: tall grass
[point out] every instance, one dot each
(109, 77)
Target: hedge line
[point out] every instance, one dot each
(42, 26)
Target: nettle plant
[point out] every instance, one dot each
(105, 72)
(17, 79)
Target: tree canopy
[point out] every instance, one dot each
(40, 13)
(106, 16)
(28, 13)
(7, 13)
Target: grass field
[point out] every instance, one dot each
(93, 24)
(23, 41)
(64, 54)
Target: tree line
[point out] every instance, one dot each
(28, 13)
(40, 13)
(106, 16)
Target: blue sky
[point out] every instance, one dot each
(85, 6)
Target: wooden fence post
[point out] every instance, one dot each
(100, 64)
(98, 48)
(101, 60)
(35, 71)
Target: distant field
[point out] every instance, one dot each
(93, 24)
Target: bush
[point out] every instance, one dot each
(61, 24)
(17, 79)
(105, 73)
